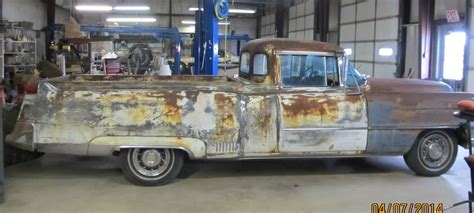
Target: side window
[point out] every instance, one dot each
(309, 70)
(332, 71)
(260, 64)
(245, 63)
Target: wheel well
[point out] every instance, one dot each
(459, 135)
(116, 153)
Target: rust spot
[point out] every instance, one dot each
(172, 112)
(226, 124)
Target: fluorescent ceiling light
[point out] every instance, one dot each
(242, 11)
(385, 51)
(93, 8)
(348, 51)
(132, 8)
(193, 9)
(190, 22)
(131, 19)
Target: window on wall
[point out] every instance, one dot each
(301, 21)
(309, 71)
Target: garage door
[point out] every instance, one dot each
(268, 26)
(369, 32)
(301, 21)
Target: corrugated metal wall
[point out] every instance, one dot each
(367, 28)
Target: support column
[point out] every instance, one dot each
(2, 170)
(279, 20)
(321, 20)
(426, 14)
(468, 64)
(50, 17)
(211, 31)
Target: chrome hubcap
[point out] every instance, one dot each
(151, 158)
(151, 162)
(435, 150)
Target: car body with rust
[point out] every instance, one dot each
(292, 99)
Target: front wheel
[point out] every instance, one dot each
(151, 167)
(433, 153)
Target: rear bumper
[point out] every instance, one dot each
(22, 136)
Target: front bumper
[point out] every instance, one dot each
(22, 136)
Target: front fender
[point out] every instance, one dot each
(195, 148)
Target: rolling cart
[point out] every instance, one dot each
(466, 112)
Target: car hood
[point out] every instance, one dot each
(406, 86)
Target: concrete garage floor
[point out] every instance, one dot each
(56, 183)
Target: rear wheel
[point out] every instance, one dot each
(151, 167)
(433, 153)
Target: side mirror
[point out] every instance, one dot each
(346, 77)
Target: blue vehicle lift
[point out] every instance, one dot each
(206, 38)
(236, 37)
(156, 31)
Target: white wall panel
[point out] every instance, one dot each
(347, 33)
(364, 51)
(387, 8)
(345, 2)
(309, 8)
(309, 35)
(293, 12)
(300, 35)
(301, 20)
(348, 14)
(365, 31)
(309, 22)
(292, 25)
(384, 70)
(376, 25)
(366, 10)
(387, 29)
(300, 10)
(300, 23)
(292, 35)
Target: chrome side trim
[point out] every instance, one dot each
(190, 154)
(283, 52)
(34, 139)
(413, 127)
(323, 129)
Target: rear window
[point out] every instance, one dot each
(260, 64)
(245, 63)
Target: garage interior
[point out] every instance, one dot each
(382, 39)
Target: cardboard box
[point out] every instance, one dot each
(72, 29)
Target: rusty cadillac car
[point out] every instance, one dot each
(292, 99)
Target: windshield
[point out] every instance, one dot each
(354, 76)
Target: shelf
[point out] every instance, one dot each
(20, 41)
(18, 53)
(26, 65)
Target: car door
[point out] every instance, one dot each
(317, 114)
